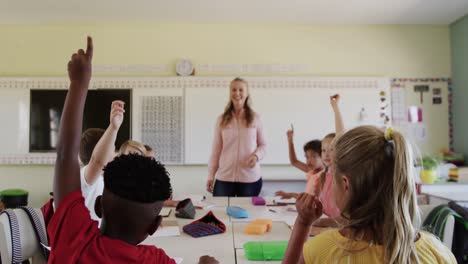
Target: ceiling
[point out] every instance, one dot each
(440, 12)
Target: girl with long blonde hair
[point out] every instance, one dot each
(374, 189)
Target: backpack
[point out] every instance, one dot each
(435, 223)
(36, 224)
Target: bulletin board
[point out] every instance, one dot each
(434, 132)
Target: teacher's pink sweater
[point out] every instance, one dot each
(232, 147)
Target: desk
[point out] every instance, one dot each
(444, 197)
(240, 201)
(217, 206)
(241, 259)
(209, 200)
(226, 247)
(275, 213)
(189, 248)
(279, 231)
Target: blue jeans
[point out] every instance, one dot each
(241, 189)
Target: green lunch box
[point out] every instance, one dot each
(13, 198)
(265, 250)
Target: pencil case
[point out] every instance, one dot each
(237, 212)
(206, 226)
(265, 250)
(267, 222)
(255, 229)
(185, 209)
(258, 201)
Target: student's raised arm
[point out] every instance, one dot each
(104, 151)
(67, 169)
(292, 152)
(309, 209)
(339, 125)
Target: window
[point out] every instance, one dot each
(46, 109)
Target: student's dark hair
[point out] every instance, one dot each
(313, 145)
(88, 141)
(228, 111)
(137, 178)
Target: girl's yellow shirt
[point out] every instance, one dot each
(332, 247)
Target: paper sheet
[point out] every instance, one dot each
(167, 229)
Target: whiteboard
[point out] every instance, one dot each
(202, 108)
(280, 101)
(307, 108)
(14, 109)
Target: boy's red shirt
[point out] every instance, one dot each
(75, 238)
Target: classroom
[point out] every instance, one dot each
(250, 108)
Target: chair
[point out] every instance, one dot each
(27, 237)
(447, 238)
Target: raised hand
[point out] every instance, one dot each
(334, 100)
(290, 134)
(67, 169)
(309, 209)
(117, 114)
(79, 67)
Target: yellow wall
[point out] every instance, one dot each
(395, 51)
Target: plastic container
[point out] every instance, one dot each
(453, 175)
(428, 176)
(265, 250)
(267, 222)
(258, 201)
(237, 212)
(13, 198)
(255, 229)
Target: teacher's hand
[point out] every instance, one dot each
(252, 160)
(209, 185)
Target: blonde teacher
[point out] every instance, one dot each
(238, 146)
